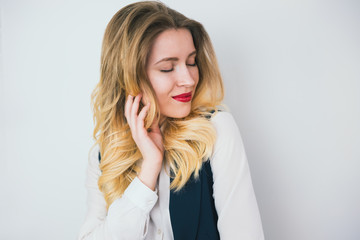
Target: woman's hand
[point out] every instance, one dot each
(149, 143)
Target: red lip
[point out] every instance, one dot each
(185, 97)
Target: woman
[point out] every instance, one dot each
(166, 164)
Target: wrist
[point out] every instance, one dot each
(149, 173)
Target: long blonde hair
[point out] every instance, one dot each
(187, 141)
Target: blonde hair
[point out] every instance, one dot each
(187, 141)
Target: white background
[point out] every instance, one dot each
(292, 76)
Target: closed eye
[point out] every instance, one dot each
(192, 65)
(167, 70)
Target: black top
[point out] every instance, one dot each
(192, 209)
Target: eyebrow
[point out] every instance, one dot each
(174, 58)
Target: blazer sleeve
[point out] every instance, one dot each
(127, 217)
(235, 202)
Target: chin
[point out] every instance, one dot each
(178, 113)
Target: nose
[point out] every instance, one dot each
(184, 76)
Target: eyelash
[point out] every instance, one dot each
(172, 69)
(166, 71)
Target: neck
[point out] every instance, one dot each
(162, 120)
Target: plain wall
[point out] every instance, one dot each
(292, 76)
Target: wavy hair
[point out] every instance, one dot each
(187, 141)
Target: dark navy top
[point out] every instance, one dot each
(192, 209)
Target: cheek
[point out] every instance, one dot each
(161, 84)
(195, 75)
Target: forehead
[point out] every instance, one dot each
(172, 43)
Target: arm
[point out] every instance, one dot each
(127, 217)
(234, 196)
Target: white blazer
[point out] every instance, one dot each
(144, 214)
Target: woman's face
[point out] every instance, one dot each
(172, 71)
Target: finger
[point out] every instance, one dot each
(128, 105)
(142, 116)
(143, 112)
(135, 108)
(129, 118)
(133, 115)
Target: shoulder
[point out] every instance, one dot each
(228, 138)
(222, 117)
(225, 125)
